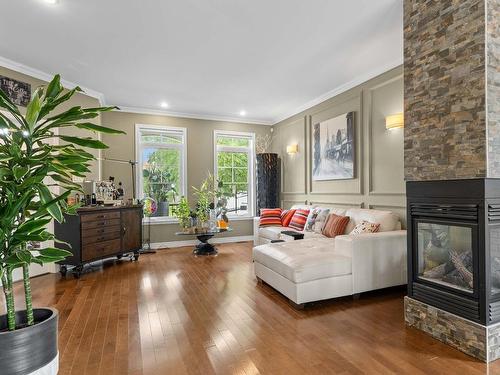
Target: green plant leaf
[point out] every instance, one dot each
(98, 128)
(13, 261)
(53, 252)
(24, 256)
(33, 109)
(44, 259)
(19, 172)
(85, 142)
(50, 204)
(54, 88)
(33, 225)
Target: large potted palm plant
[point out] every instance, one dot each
(35, 180)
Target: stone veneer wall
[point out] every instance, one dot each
(493, 86)
(444, 73)
(474, 339)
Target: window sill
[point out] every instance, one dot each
(173, 220)
(159, 220)
(240, 218)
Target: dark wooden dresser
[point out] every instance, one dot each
(98, 233)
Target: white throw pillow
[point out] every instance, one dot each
(365, 227)
(316, 219)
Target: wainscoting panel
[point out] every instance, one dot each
(378, 181)
(385, 170)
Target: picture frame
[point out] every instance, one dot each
(333, 147)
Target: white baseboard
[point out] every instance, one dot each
(170, 244)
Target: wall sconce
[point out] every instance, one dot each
(395, 121)
(292, 149)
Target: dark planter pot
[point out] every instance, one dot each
(162, 209)
(267, 181)
(28, 349)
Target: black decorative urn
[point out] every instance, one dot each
(267, 181)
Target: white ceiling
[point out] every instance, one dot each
(207, 58)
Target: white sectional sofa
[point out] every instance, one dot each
(318, 267)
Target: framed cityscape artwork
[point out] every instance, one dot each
(333, 148)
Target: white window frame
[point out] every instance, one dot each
(251, 161)
(139, 128)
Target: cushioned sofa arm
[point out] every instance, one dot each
(375, 257)
(256, 221)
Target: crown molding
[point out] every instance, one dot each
(340, 89)
(157, 112)
(35, 73)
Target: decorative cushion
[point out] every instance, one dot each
(286, 217)
(335, 225)
(270, 217)
(365, 227)
(299, 219)
(316, 219)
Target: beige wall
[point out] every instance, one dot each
(200, 158)
(379, 179)
(77, 100)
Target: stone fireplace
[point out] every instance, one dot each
(452, 169)
(454, 246)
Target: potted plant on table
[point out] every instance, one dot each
(31, 169)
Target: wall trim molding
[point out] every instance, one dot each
(173, 244)
(158, 112)
(371, 191)
(347, 204)
(340, 89)
(35, 73)
(358, 161)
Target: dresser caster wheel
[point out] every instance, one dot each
(77, 272)
(63, 270)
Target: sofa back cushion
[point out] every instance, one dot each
(270, 217)
(299, 219)
(286, 217)
(388, 220)
(335, 225)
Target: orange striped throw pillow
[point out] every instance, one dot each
(286, 217)
(335, 225)
(270, 217)
(299, 219)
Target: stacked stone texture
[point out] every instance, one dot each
(445, 95)
(493, 86)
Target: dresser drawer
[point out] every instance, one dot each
(100, 249)
(100, 223)
(100, 216)
(102, 237)
(97, 232)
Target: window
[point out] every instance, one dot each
(161, 172)
(234, 169)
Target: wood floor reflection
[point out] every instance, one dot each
(172, 313)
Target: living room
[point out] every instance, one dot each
(234, 188)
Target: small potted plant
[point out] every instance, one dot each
(35, 180)
(183, 214)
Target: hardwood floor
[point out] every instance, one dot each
(171, 313)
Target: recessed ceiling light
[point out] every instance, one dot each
(52, 2)
(243, 113)
(164, 104)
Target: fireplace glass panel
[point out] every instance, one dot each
(495, 259)
(445, 255)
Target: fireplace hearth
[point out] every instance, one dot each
(454, 246)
